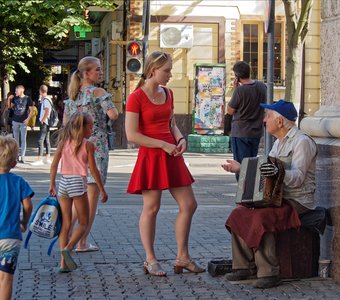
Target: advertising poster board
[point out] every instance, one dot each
(208, 104)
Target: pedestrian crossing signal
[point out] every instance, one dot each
(134, 57)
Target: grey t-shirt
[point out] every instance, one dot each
(248, 117)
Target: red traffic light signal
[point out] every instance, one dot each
(134, 57)
(134, 48)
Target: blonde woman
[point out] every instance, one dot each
(84, 95)
(150, 123)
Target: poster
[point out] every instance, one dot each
(208, 107)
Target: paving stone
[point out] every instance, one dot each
(115, 272)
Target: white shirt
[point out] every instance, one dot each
(45, 104)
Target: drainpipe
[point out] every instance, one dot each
(303, 81)
(146, 28)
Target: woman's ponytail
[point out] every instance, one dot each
(74, 86)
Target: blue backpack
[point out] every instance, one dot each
(46, 221)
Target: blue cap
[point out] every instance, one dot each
(284, 108)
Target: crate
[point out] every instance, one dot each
(208, 143)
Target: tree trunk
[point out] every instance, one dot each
(4, 92)
(293, 74)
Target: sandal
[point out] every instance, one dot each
(69, 261)
(90, 248)
(64, 270)
(154, 269)
(188, 265)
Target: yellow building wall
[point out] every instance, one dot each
(107, 26)
(312, 62)
(205, 48)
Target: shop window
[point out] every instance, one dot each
(254, 44)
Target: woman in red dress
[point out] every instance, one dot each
(160, 165)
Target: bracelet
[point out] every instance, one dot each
(182, 138)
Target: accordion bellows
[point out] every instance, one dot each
(255, 190)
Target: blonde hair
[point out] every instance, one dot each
(154, 61)
(84, 65)
(74, 130)
(8, 152)
(43, 88)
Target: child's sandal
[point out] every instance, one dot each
(188, 265)
(154, 269)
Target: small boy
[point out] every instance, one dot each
(14, 192)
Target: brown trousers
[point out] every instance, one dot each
(263, 259)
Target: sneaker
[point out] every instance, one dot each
(37, 163)
(267, 282)
(241, 274)
(48, 161)
(22, 160)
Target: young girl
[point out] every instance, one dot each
(160, 165)
(77, 155)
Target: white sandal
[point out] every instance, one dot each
(154, 269)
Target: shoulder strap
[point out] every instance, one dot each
(29, 234)
(167, 91)
(49, 251)
(48, 99)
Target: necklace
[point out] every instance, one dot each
(152, 99)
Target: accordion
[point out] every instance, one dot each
(256, 190)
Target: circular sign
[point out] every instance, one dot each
(133, 65)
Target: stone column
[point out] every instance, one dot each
(324, 126)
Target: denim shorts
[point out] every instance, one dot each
(72, 186)
(9, 253)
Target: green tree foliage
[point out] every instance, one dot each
(28, 26)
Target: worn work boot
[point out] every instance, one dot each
(267, 282)
(241, 274)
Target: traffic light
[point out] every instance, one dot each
(134, 57)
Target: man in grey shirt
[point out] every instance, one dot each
(298, 153)
(244, 106)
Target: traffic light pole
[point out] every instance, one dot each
(268, 139)
(146, 27)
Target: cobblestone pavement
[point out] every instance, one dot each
(115, 272)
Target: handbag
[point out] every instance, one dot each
(111, 135)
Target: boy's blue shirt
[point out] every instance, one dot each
(13, 190)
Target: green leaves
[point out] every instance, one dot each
(28, 26)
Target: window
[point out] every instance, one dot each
(254, 50)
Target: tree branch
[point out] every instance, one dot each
(290, 10)
(303, 24)
(291, 18)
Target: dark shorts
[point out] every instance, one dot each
(9, 253)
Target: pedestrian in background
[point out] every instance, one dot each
(244, 106)
(22, 112)
(44, 133)
(77, 155)
(33, 120)
(15, 192)
(84, 95)
(150, 123)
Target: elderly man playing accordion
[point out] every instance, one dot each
(252, 230)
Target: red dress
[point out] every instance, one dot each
(154, 168)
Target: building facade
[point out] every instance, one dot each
(222, 32)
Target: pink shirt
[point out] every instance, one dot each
(72, 164)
